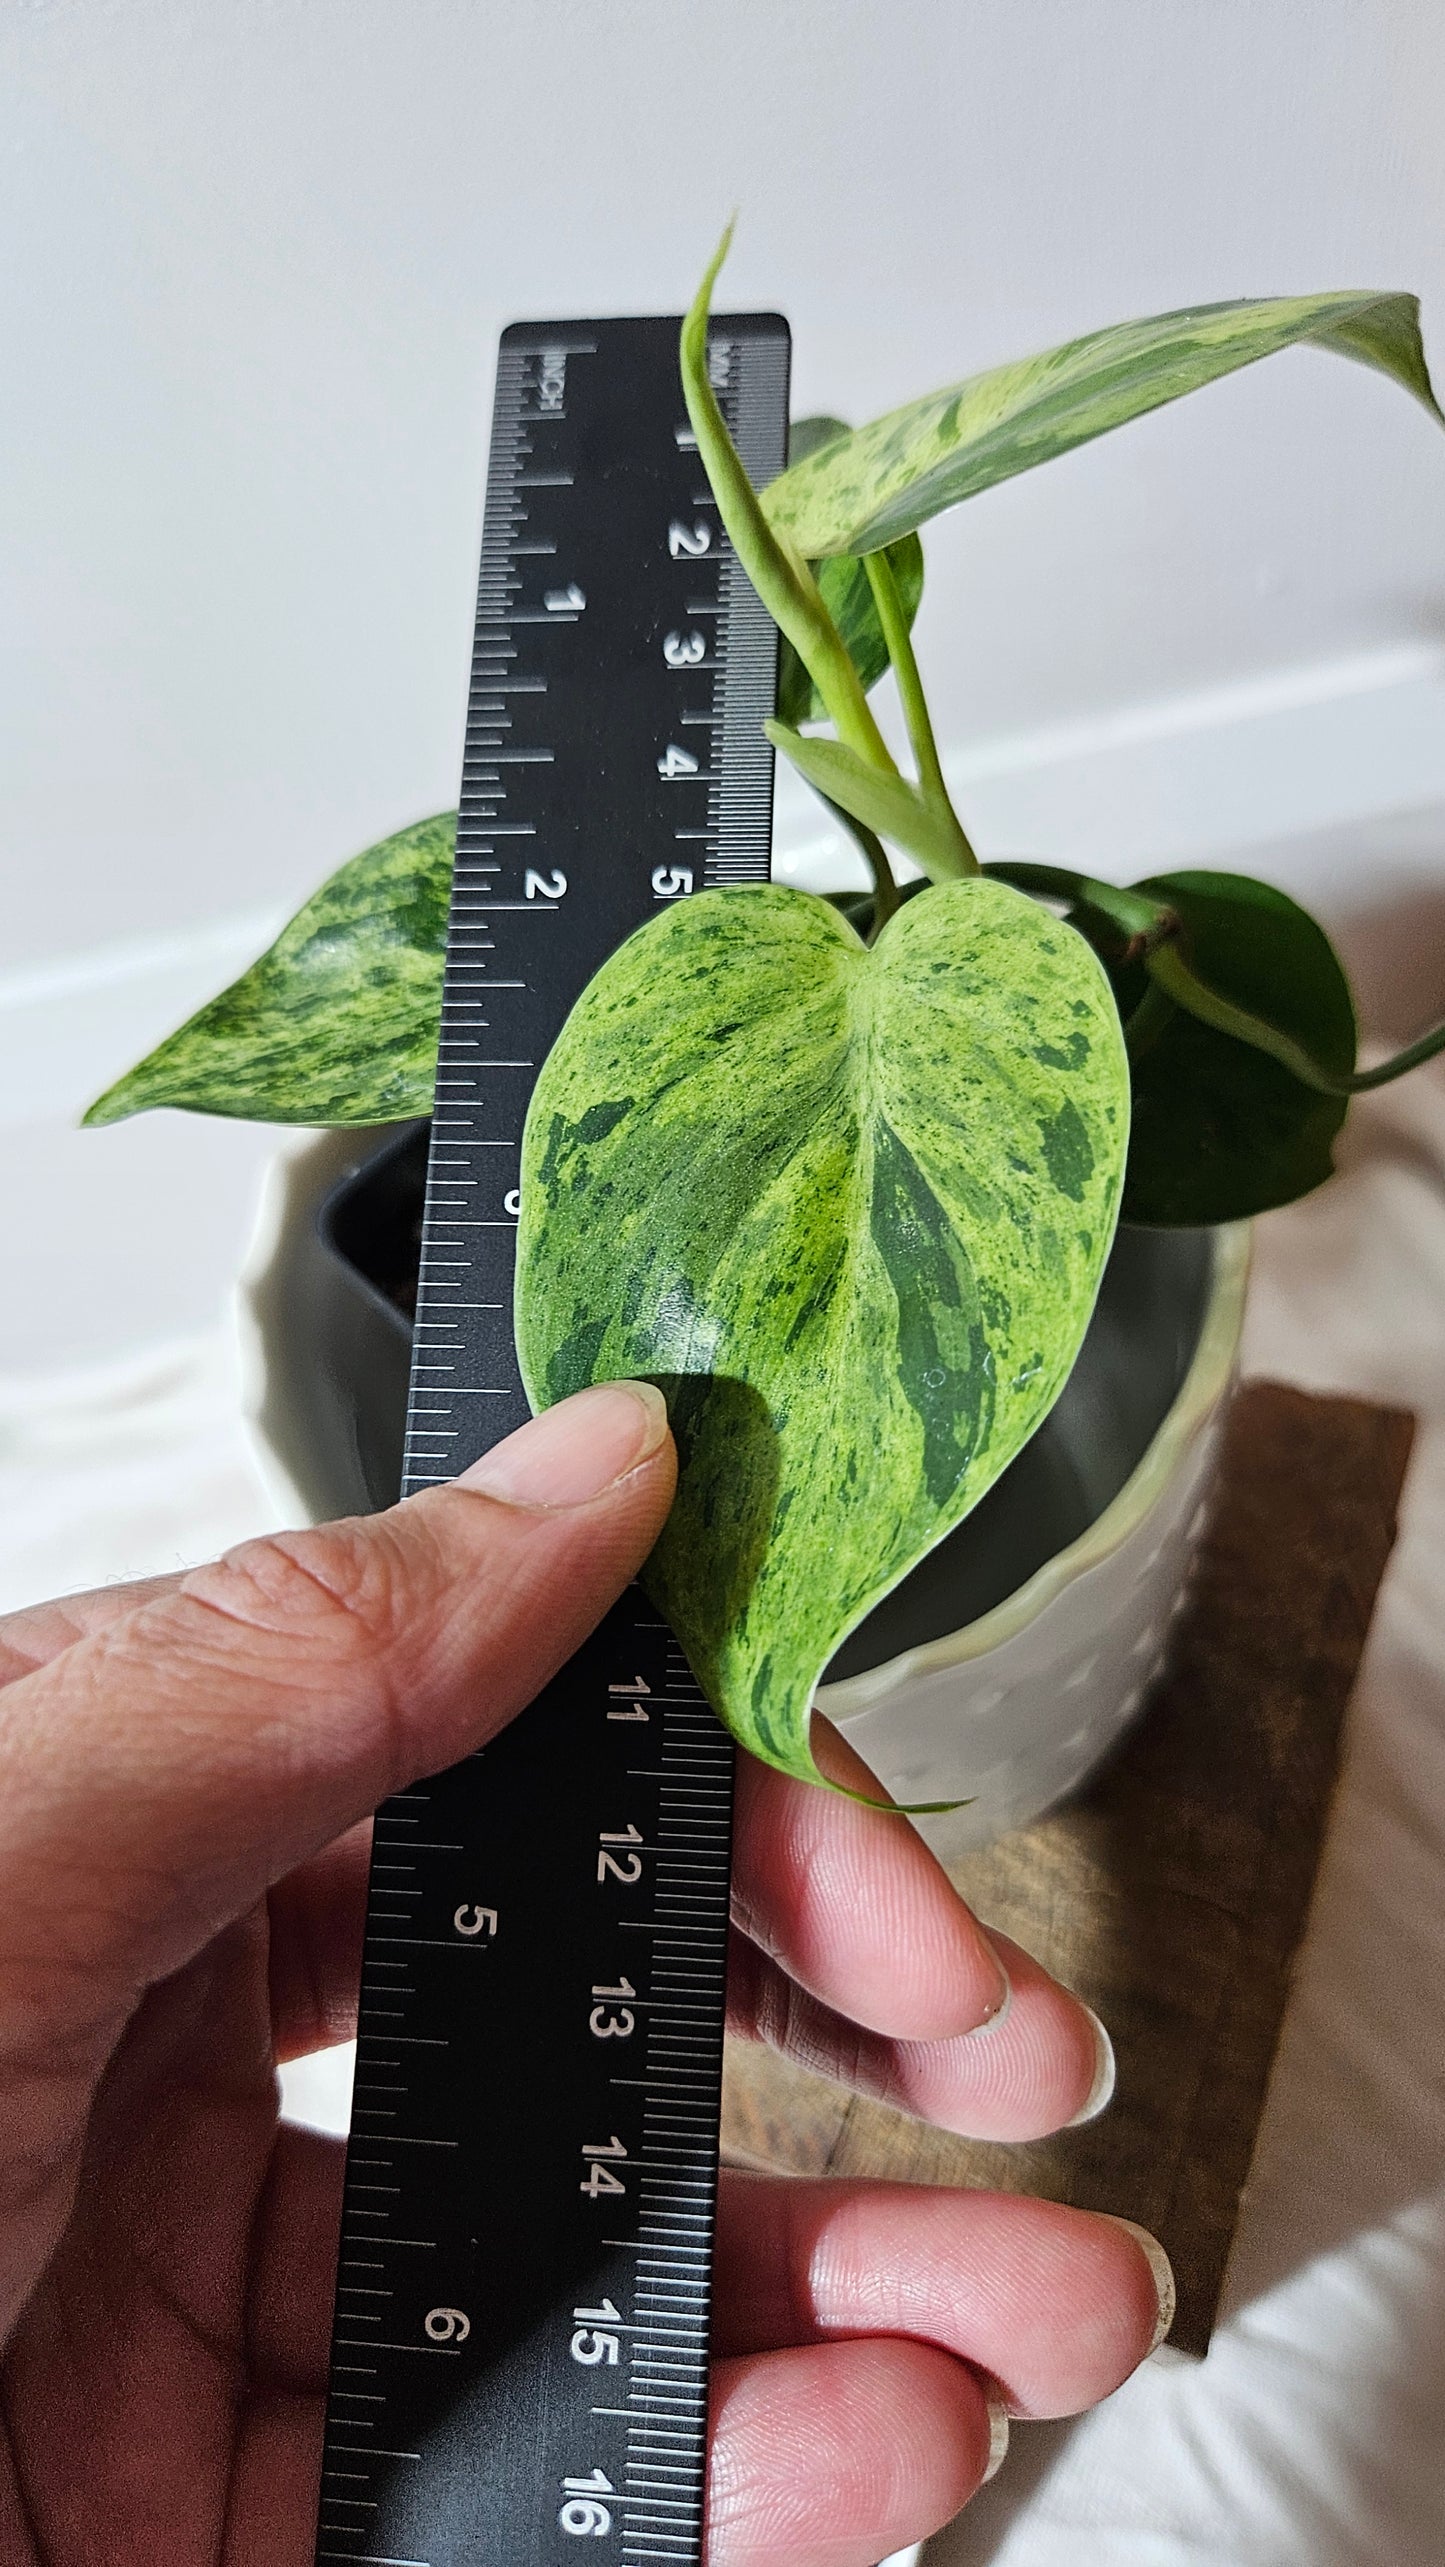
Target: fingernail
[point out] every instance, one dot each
(997, 2437)
(1000, 1998)
(1163, 2272)
(576, 1450)
(1101, 2092)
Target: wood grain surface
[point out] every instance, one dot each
(1173, 1891)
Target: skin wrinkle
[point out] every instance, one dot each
(866, 1888)
(914, 2450)
(38, 2223)
(288, 2347)
(16, 2477)
(378, 1698)
(1021, 2079)
(771, 2008)
(371, 1628)
(376, 1629)
(79, 2329)
(317, 1921)
(273, 2423)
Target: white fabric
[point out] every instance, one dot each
(1312, 2436)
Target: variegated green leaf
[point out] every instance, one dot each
(338, 1022)
(855, 493)
(847, 596)
(849, 1207)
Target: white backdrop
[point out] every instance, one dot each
(257, 256)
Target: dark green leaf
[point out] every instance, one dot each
(809, 436)
(850, 1208)
(855, 493)
(1220, 1130)
(338, 1022)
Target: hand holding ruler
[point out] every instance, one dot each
(520, 2351)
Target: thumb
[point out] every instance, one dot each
(159, 1775)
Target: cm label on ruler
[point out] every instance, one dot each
(521, 2340)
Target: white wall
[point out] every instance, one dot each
(257, 255)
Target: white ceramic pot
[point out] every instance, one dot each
(1019, 1705)
(1007, 1666)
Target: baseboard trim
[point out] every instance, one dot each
(1293, 760)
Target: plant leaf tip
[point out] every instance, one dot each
(701, 304)
(108, 1107)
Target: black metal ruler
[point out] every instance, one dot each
(519, 2359)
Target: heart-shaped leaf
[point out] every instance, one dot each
(857, 492)
(850, 1208)
(1221, 1131)
(847, 596)
(338, 1021)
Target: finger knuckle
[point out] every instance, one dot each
(338, 1591)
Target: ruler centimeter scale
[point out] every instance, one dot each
(519, 2355)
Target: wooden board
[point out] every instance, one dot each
(1172, 1893)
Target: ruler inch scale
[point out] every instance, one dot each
(520, 2344)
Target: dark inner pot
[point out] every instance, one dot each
(349, 1287)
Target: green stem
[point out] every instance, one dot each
(885, 887)
(1170, 973)
(1425, 1048)
(1154, 926)
(1153, 1013)
(915, 704)
(1133, 912)
(773, 564)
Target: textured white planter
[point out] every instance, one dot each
(1014, 1706)
(1018, 1706)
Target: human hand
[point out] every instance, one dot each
(185, 1772)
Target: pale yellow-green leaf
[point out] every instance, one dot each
(888, 804)
(860, 491)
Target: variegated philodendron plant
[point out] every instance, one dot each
(842, 1175)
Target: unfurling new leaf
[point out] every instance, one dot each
(850, 1208)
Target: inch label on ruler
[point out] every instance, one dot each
(519, 2356)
